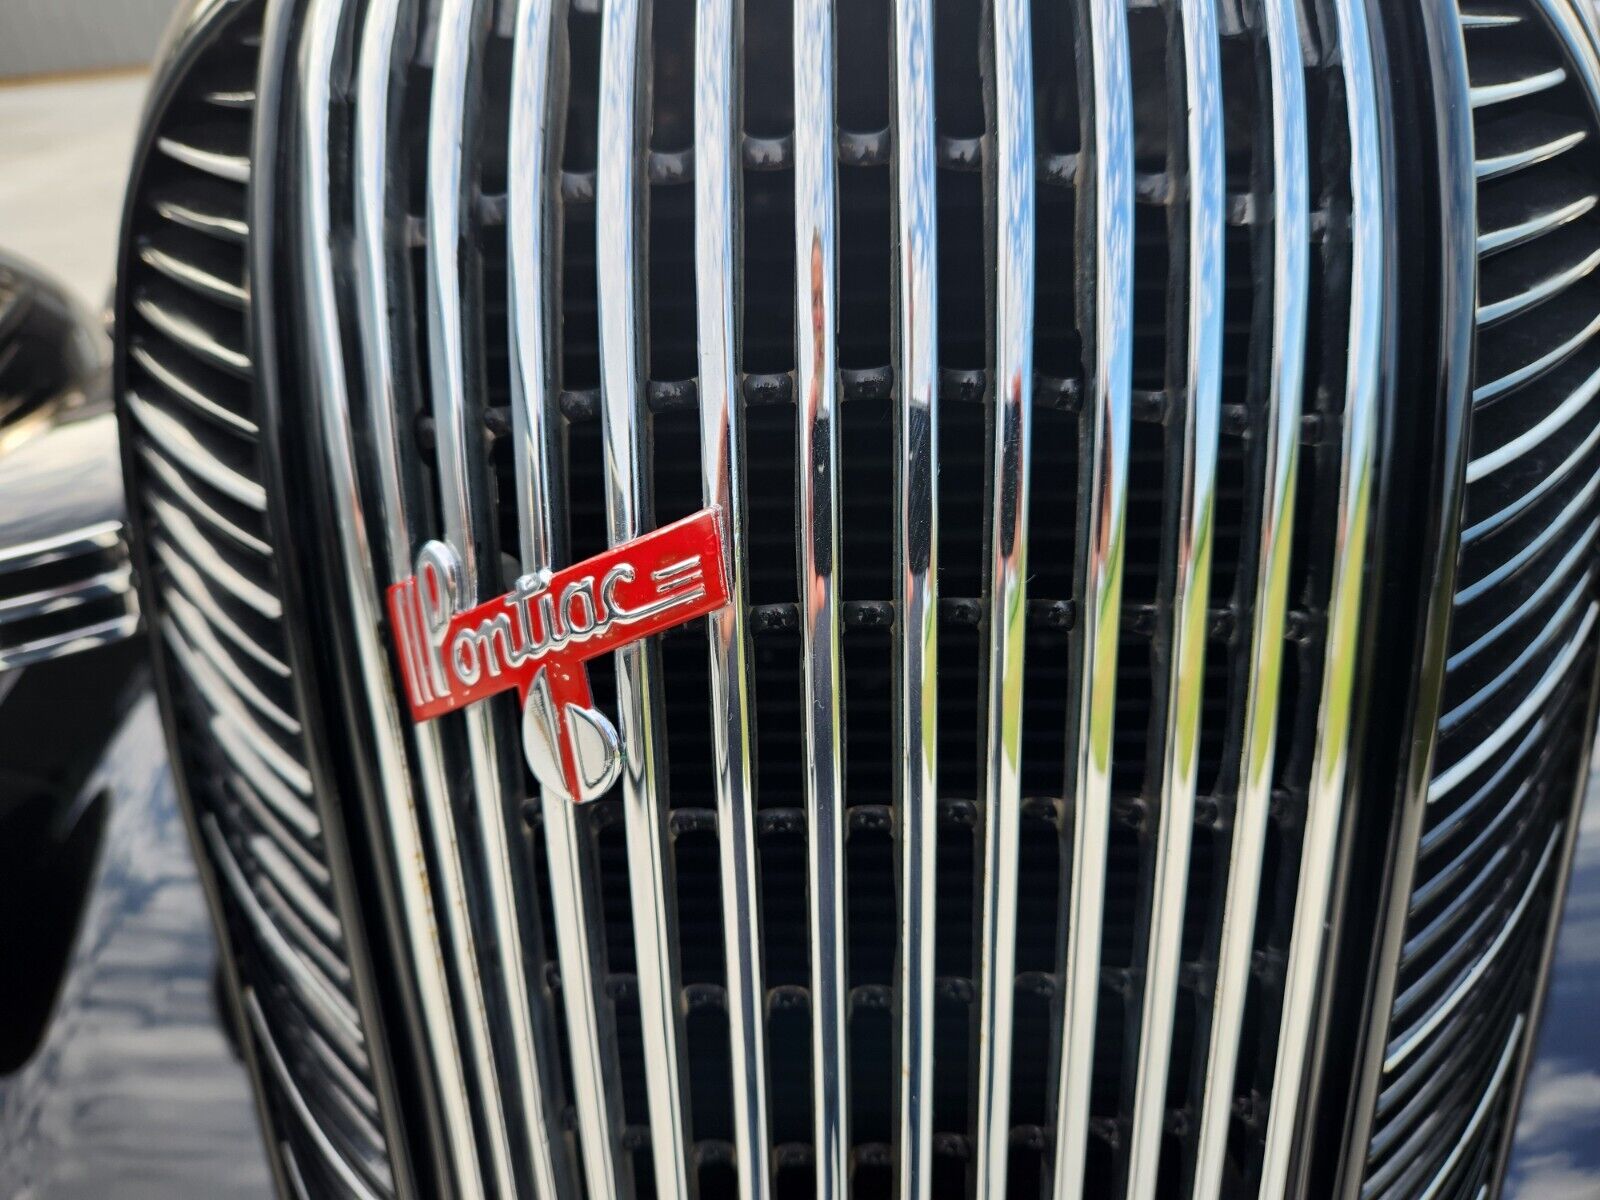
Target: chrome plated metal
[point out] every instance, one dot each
(1491, 1094)
(167, 375)
(917, 570)
(1103, 504)
(816, 205)
(188, 581)
(57, 547)
(44, 602)
(717, 230)
(1331, 757)
(574, 897)
(184, 447)
(203, 343)
(66, 582)
(1492, 312)
(722, 484)
(173, 480)
(619, 212)
(1515, 448)
(1402, 1047)
(1012, 203)
(1290, 275)
(261, 1031)
(73, 641)
(1502, 91)
(1446, 781)
(181, 530)
(525, 1062)
(1191, 574)
(321, 40)
(232, 167)
(1486, 392)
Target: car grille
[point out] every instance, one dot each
(213, 597)
(1047, 512)
(1489, 859)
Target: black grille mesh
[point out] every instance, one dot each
(213, 596)
(1521, 646)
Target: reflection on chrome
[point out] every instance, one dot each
(1291, 219)
(717, 230)
(1202, 385)
(817, 465)
(1108, 406)
(917, 530)
(1011, 200)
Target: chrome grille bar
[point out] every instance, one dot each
(817, 467)
(1325, 799)
(1103, 507)
(917, 569)
(717, 230)
(320, 39)
(1196, 503)
(1010, 197)
(466, 522)
(619, 208)
(1282, 398)
(569, 849)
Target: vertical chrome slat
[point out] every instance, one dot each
(320, 44)
(1207, 220)
(1013, 207)
(574, 895)
(1290, 274)
(1325, 798)
(917, 534)
(618, 213)
(716, 284)
(465, 517)
(1105, 499)
(817, 453)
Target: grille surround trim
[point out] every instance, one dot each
(1382, 1047)
(322, 34)
(730, 423)
(327, 864)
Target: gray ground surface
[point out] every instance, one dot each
(64, 152)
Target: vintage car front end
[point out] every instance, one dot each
(1145, 461)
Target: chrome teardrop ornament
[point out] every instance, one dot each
(595, 746)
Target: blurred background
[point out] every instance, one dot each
(72, 81)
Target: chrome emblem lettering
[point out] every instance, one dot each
(537, 637)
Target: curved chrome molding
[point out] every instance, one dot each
(1513, 449)
(1447, 781)
(619, 209)
(716, 284)
(261, 1031)
(1326, 795)
(917, 566)
(102, 535)
(466, 517)
(1103, 501)
(817, 466)
(1291, 274)
(376, 70)
(1011, 201)
(181, 443)
(1191, 590)
(60, 645)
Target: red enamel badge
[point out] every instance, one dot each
(537, 637)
